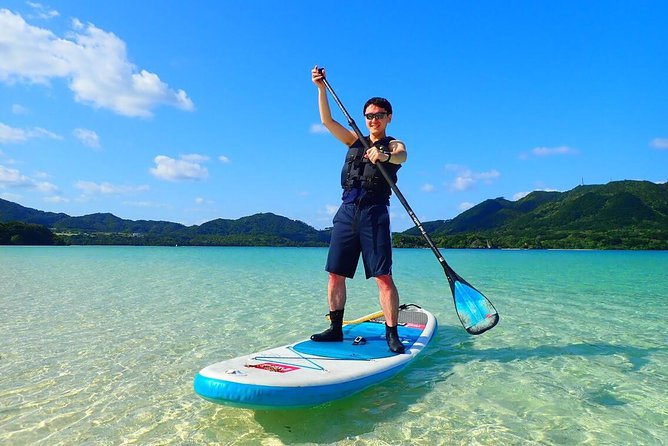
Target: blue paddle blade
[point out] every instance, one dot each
(476, 313)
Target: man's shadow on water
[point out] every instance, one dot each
(361, 413)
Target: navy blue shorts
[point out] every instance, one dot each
(360, 230)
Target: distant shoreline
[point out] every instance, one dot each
(620, 215)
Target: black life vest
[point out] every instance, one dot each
(359, 172)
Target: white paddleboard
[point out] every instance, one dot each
(309, 373)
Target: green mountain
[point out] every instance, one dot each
(620, 214)
(107, 229)
(15, 212)
(264, 229)
(617, 215)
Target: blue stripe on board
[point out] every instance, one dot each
(249, 395)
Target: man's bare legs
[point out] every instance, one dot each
(389, 299)
(336, 297)
(336, 292)
(389, 302)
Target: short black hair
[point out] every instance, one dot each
(379, 102)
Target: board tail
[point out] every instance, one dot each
(409, 314)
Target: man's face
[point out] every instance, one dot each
(379, 119)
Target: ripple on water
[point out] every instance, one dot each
(101, 346)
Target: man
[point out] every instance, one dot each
(362, 223)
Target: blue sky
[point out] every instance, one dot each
(191, 111)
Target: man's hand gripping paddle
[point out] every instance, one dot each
(475, 311)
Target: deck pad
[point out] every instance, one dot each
(374, 348)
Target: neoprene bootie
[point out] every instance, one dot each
(335, 331)
(393, 339)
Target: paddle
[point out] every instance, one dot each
(475, 311)
(368, 317)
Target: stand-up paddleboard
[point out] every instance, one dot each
(308, 373)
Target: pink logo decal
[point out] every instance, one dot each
(272, 367)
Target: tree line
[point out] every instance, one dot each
(17, 233)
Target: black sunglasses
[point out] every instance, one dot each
(379, 115)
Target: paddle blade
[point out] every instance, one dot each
(475, 311)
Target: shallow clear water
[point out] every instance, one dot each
(99, 345)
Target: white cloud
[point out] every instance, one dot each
(520, 195)
(13, 178)
(318, 128)
(195, 157)
(463, 182)
(330, 209)
(45, 187)
(88, 138)
(105, 188)
(465, 206)
(19, 109)
(394, 217)
(10, 196)
(466, 179)
(42, 175)
(41, 12)
(454, 167)
(56, 199)
(14, 135)
(428, 187)
(548, 151)
(201, 201)
(224, 159)
(144, 204)
(6, 160)
(9, 134)
(39, 132)
(659, 143)
(189, 167)
(487, 177)
(93, 61)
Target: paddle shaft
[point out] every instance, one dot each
(366, 318)
(395, 189)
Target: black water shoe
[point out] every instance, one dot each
(393, 340)
(335, 331)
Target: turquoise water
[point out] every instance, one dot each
(99, 345)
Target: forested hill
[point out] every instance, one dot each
(256, 230)
(620, 214)
(617, 215)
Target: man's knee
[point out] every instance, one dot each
(336, 278)
(385, 281)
